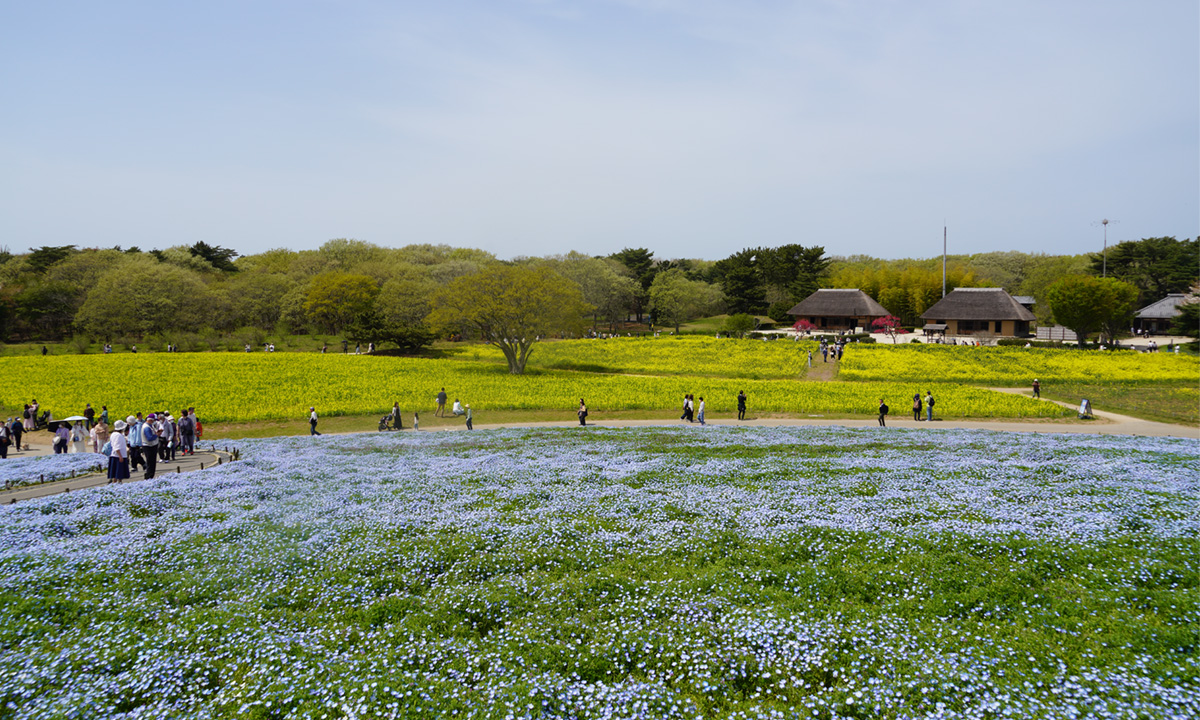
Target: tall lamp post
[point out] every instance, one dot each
(1104, 265)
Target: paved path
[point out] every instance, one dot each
(1106, 423)
(203, 458)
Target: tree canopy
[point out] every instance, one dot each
(1088, 304)
(1155, 266)
(511, 306)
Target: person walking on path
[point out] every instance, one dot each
(883, 411)
(929, 405)
(118, 459)
(582, 412)
(469, 425)
(416, 421)
(1037, 389)
(89, 413)
(810, 358)
(441, 404)
(741, 399)
(312, 421)
(701, 416)
(397, 421)
(917, 406)
(18, 429)
(104, 414)
(5, 438)
(187, 433)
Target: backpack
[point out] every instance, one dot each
(149, 436)
(107, 449)
(931, 401)
(883, 409)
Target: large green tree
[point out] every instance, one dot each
(142, 295)
(335, 299)
(1088, 304)
(640, 263)
(512, 307)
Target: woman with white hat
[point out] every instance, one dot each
(118, 462)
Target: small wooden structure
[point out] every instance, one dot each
(837, 309)
(980, 311)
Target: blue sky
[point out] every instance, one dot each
(533, 127)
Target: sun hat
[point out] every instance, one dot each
(151, 416)
(130, 420)
(119, 425)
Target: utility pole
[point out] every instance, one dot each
(943, 259)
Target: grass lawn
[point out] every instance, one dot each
(1176, 403)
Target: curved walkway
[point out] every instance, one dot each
(201, 460)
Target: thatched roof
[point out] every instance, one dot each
(1164, 309)
(978, 304)
(839, 303)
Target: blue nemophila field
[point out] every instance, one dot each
(680, 572)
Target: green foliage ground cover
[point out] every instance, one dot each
(651, 573)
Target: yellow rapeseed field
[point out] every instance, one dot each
(260, 386)
(1013, 366)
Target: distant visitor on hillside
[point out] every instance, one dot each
(741, 399)
(458, 408)
(883, 411)
(312, 421)
(582, 412)
(441, 404)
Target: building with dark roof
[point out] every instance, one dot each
(836, 309)
(979, 311)
(1157, 318)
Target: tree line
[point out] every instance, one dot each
(370, 293)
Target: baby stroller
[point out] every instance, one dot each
(385, 423)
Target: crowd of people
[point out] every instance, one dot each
(131, 443)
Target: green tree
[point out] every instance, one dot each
(604, 284)
(674, 299)
(335, 299)
(512, 307)
(45, 257)
(141, 296)
(1086, 304)
(640, 263)
(215, 255)
(1187, 323)
(1118, 309)
(742, 282)
(1156, 266)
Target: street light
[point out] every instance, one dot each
(1104, 265)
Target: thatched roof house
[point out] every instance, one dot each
(980, 311)
(1158, 317)
(830, 309)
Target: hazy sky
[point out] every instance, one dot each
(529, 127)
